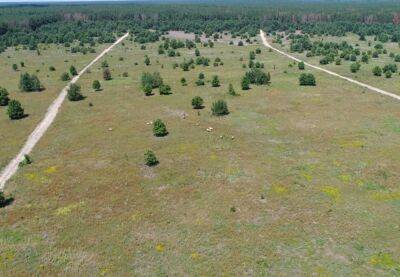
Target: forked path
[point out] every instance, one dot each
(48, 119)
(374, 89)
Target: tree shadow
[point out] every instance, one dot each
(6, 202)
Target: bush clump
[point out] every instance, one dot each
(29, 83)
(153, 80)
(219, 108)
(159, 128)
(307, 79)
(258, 77)
(165, 89)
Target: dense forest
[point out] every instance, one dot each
(30, 25)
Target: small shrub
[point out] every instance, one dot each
(74, 93)
(150, 158)
(200, 82)
(377, 71)
(4, 97)
(231, 90)
(73, 71)
(96, 85)
(183, 82)
(15, 67)
(15, 110)
(197, 102)
(245, 83)
(307, 79)
(354, 67)
(125, 74)
(147, 60)
(147, 89)
(301, 65)
(215, 81)
(52, 68)
(159, 128)
(165, 89)
(219, 108)
(388, 74)
(107, 74)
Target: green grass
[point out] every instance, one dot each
(298, 171)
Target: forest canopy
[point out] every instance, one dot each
(57, 23)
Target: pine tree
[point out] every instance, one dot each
(4, 97)
(73, 71)
(159, 128)
(215, 81)
(74, 93)
(15, 110)
(231, 90)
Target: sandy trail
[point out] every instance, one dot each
(48, 119)
(374, 89)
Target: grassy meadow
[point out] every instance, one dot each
(301, 180)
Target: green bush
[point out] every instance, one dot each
(231, 90)
(258, 77)
(377, 71)
(183, 82)
(147, 89)
(215, 81)
(29, 83)
(15, 110)
(219, 108)
(159, 128)
(4, 97)
(301, 65)
(307, 79)
(197, 102)
(165, 89)
(73, 71)
(96, 85)
(74, 93)
(154, 80)
(52, 68)
(354, 67)
(150, 158)
(245, 83)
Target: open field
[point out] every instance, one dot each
(14, 133)
(301, 180)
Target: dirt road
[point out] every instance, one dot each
(48, 119)
(374, 89)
